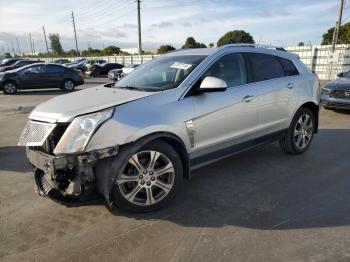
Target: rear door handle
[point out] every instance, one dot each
(247, 98)
(290, 85)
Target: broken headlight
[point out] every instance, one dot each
(80, 131)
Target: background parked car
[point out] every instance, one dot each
(115, 74)
(336, 94)
(129, 68)
(8, 62)
(103, 69)
(61, 61)
(78, 64)
(91, 62)
(19, 64)
(40, 75)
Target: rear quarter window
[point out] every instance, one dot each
(289, 67)
(264, 67)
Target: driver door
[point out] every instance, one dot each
(32, 77)
(227, 118)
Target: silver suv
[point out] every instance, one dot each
(134, 141)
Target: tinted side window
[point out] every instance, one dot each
(230, 68)
(265, 67)
(54, 69)
(289, 67)
(35, 69)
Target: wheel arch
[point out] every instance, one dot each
(10, 81)
(171, 139)
(315, 110)
(69, 78)
(105, 179)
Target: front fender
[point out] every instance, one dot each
(112, 133)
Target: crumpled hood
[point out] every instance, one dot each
(64, 108)
(341, 83)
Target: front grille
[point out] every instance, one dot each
(35, 133)
(340, 94)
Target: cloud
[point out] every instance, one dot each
(276, 20)
(162, 25)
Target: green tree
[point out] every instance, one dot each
(71, 52)
(91, 52)
(165, 49)
(192, 43)
(236, 36)
(301, 44)
(211, 45)
(111, 50)
(343, 36)
(55, 44)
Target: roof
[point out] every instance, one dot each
(192, 51)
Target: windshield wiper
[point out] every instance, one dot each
(130, 88)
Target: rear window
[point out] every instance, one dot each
(288, 66)
(54, 69)
(265, 67)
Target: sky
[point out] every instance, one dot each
(101, 23)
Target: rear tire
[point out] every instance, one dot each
(9, 88)
(300, 133)
(68, 85)
(152, 184)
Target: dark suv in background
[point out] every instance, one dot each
(40, 75)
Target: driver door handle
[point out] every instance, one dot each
(247, 98)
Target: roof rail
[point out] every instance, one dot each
(256, 46)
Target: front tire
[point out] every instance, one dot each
(149, 179)
(68, 85)
(9, 88)
(300, 133)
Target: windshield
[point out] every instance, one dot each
(161, 74)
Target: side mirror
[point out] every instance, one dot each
(340, 74)
(212, 84)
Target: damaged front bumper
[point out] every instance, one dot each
(66, 176)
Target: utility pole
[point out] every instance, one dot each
(13, 49)
(33, 48)
(338, 24)
(18, 49)
(31, 43)
(75, 34)
(47, 47)
(139, 25)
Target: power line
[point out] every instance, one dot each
(99, 17)
(104, 22)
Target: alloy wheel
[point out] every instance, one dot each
(10, 88)
(303, 131)
(68, 85)
(147, 178)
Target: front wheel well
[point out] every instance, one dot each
(175, 142)
(68, 78)
(315, 110)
